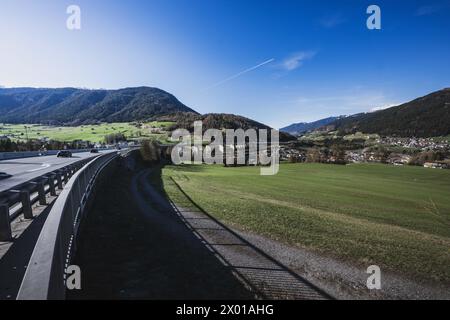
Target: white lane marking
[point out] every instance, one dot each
(42, 167)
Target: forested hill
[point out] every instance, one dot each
(428, 116)
(221, 121)
(81, 106)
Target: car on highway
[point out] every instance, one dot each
(64, 154)
(94, 150)
(4, 175)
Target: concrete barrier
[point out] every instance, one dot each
(45, 278)
(20, 198)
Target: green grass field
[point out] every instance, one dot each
(394, 217)
(93, 133)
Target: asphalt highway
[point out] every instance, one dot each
(23, 170)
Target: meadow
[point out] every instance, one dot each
(92, 133)
(394, 217)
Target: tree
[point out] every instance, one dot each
(429, 156)
(382, 154)
(338, 153)
(313, 155)
(294, 158)
(150, 151)
(114, 138)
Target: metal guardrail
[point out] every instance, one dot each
(45, 276)
(20, 199)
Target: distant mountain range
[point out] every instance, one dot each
(423, 117)
(302, 127)
(73, 106)
(428, 116)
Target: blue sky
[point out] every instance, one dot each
(277, 62)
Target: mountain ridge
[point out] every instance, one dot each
(303, 127)
(427, 116)
(73, 106)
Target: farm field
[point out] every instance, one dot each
(93, 133)
(394, 217)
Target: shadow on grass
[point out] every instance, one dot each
(188, 168)
(267, 277)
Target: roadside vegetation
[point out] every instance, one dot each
(394, 217)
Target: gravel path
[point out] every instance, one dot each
(341, 279)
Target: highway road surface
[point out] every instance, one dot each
(22, 170)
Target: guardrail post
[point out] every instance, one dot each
(41, 192)
(59, 181)
(5, 225)
(51, 185)
(66, 175)
(26, 205)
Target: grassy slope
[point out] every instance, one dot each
(93, 133)
(395, 217)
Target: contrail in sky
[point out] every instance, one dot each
(240, 73)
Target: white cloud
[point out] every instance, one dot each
(296, 60)
(331, 21)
